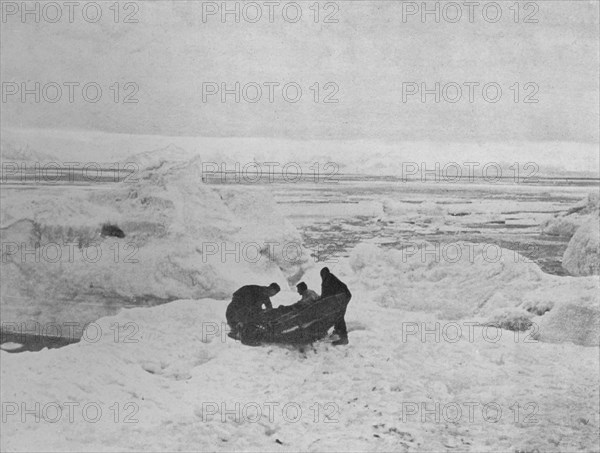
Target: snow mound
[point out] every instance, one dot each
(181, 239)
(463, 281)
(503, 287)
(588, 205)
(538, 306)
(576, 320)
(566, 224)
(582, 256)
(516, 319)
(560, 226)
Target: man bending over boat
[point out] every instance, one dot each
(331, 286)
(247, 302)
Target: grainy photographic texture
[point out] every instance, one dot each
(289, 226)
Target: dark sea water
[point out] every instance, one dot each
(333, 218)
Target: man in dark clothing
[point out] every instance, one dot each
(330, 286)
(247, 302)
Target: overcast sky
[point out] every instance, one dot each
(369, 53)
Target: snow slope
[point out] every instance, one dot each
(566, 224)
(182, 239)
(178, 377)
(582, 256)
(459, 280)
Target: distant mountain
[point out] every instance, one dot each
(366, 157)
(156, 157)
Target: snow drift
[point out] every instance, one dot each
(582, 256)
(180, 239)
(473, 281)
(576, 320)
(169, 379)
(458, 280)
(566, 224)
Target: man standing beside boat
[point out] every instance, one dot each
(331, 286)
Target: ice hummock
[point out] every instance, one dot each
(188, 386)
(582, 256)
(180, 239)
(567, 223)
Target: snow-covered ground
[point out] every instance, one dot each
(456, 222)
(420, 373)
(428, 367)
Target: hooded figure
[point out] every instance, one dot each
(330, 286)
